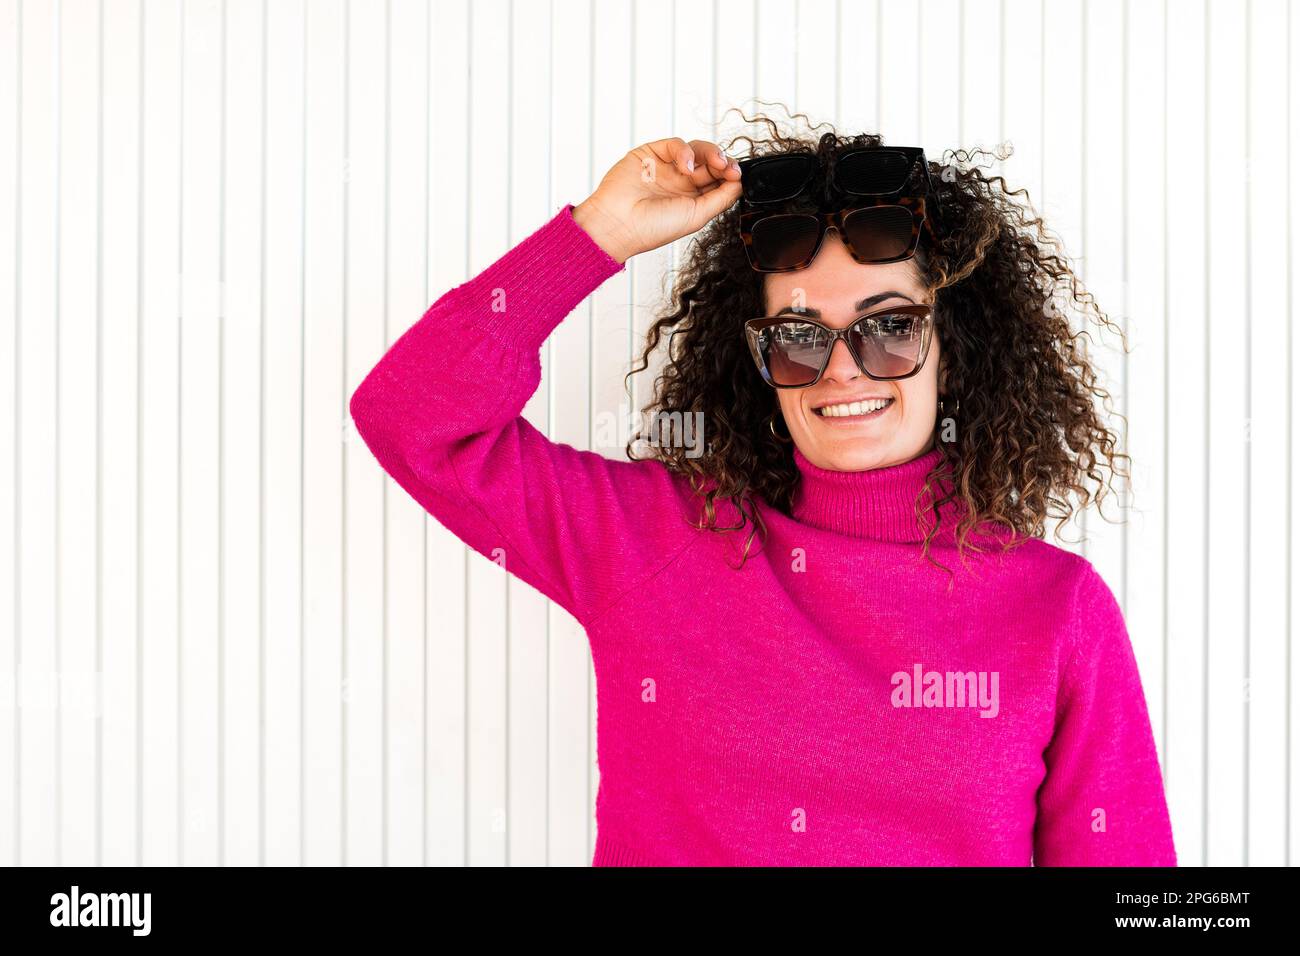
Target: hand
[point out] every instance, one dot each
(657, 193)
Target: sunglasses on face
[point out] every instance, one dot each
(881, 221)
(888, 344)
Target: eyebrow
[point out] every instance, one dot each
(862, 306)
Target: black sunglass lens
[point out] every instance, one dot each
(777, 178)
(879, 233)
(793, 352)
(784, 241)
(874, 173)
(890, 345)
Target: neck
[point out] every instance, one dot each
(879, 503)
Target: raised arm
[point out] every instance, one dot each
(441, 411)
(1103, 800)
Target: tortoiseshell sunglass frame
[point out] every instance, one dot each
(837, 220)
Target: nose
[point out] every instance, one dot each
(842, 367)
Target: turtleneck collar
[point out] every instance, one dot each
(879, 503)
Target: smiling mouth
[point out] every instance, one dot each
(855, 411)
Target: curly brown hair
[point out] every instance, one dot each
(1030, 434)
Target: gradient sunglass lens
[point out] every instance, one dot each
(776, 178)
(784, 241)
(793, 352)
(879, 233)
(889, 345)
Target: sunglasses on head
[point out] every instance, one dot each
(882, 198)
(888, 344)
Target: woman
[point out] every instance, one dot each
(781, 678)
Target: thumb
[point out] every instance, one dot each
(716, 201)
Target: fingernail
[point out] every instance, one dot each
(690, 165)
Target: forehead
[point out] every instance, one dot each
(834, 283)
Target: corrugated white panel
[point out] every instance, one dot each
(524, 811)
(327, 441)
(10, 203)
(77, 448)
(446, 559)
(611, 305)
(120, 503)
(244, 396)
(487, 626)
(38, 659)
(159, 392)
(571, 749)
(1144, 203)
(200, 344)
(1267, 418)
(1290, 530)
(407, 179)
(1185, 493)
(283, 637)
(365, 495)
(1228, 232)
(240, 643)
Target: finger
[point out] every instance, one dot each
(716, 201)
(675, 152)
(710, 154)
(686, 161)
(712, 164)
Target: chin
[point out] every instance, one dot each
(858, 453)
(866, 455)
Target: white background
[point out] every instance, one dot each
(213, 218)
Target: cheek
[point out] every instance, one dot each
(788, 400)
(921, 392)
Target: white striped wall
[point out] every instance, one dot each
(240, 643)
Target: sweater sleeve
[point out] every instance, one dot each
(441, 413)
(1102, 802)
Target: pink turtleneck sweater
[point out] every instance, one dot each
(833, 702)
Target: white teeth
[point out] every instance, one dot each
(853, 408)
